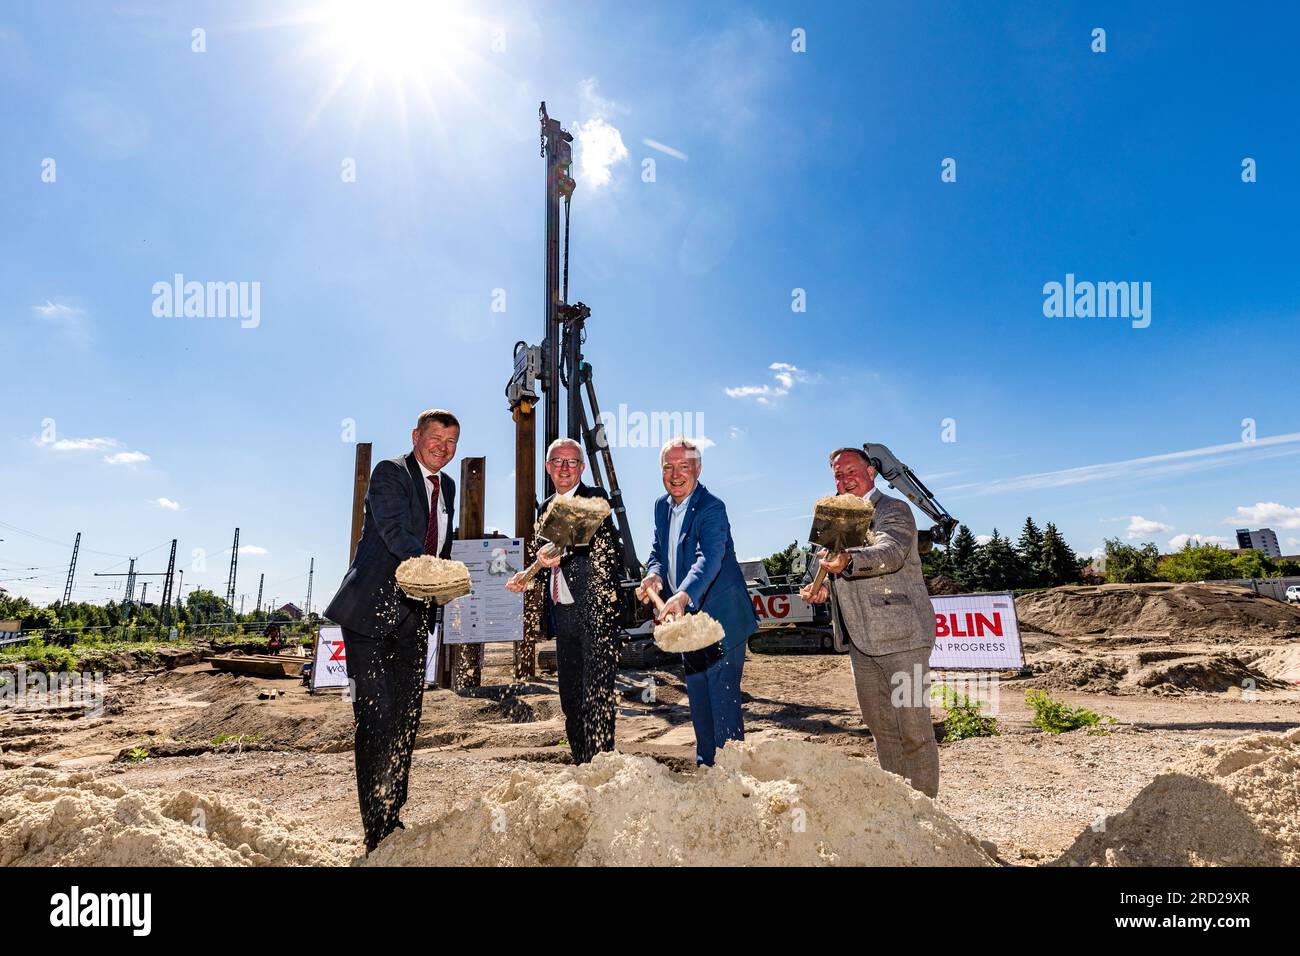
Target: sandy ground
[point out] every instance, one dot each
(1028, 793)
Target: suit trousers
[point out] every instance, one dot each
(587, 666)
(714, 694)
(387, 678)
(903, 732)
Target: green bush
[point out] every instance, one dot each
(1056, 717)
(40, 656)
(964, 719)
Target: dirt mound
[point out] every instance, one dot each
(942, 584)
(1234, 803)
(1088, 674)
(50, 819)
(320, 730)
(1177, 610)
(774, 803)
(1214, 673)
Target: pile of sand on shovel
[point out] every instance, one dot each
(690, 632)
(428, 577)
(776, 802)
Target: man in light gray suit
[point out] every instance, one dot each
(880, 608)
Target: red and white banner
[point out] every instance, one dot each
(976, 632)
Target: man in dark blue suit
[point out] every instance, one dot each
(410, 511)
(693, 567)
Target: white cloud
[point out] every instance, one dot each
(68, 320)
(1266, 514)
(1293, 542)
(786, 375)
(735, 431)
(255, 550)
(126, 458)
(1139, 526)
(1150, 466)
(703, 442)
(168, 504)
(983, 538)
(77, 444)
(599, 144)
(1179, 541)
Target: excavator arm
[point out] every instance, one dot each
(901, 478)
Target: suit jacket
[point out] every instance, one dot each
(590, 571)
(397, 515)
(707, 568)
(880, 601)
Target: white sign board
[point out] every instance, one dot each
(976, 632)
(489, 612)
(330, 668)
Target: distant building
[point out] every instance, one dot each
(292, 610)
(1263, 540)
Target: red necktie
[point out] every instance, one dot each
(431, 532)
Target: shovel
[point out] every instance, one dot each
(840, 522)
(691, 632)
(566, 523)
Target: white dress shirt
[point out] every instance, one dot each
(676, 515)
(443, 517)
(560, 593)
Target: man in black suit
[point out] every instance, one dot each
(581, 586)
(410, 511)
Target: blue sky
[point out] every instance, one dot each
(816, 170)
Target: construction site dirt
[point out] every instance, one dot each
(1029, 797)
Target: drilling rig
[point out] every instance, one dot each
(544, 372)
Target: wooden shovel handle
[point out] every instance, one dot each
(532, 569)
(658, 602)
(820, 576)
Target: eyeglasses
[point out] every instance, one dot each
(562, 463)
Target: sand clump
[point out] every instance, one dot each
(1230, 803)
(1157, 609)
(430, 577)
(690, 632)
(53, 819)
(778, 802)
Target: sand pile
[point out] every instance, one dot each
(1282, 664)
(437, 578)
(774, 803)
(1177, 610)
(320, 730)
(1213, 673)
(1233, 803)
(51, 819)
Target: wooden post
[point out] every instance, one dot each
(525, 521)
(467, 661)
(360, 485)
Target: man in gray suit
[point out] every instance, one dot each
(880, 608)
